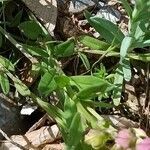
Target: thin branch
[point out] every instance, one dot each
(8, 139)
(147, 86)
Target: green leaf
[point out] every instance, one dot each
(21, 88)
(86, 115)
(86, 81)
(47, 83)
(90, 86)
(65, 49)
(101, 72)
(143, 16)
(85, 60)
(6, 63)
(118, 82)
(30, 29)
(70, 110)
(4, 82)
(127, 7)
(62, 81)
(94, 90)
(99, 118)
(126, 69)
(143, 44)
(125, 46)
(93, 43)
(36, 51)
(109, 31)
(75, 132)
(140, 30)
(51, 110)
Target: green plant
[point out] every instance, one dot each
(76, 96)
(138, 37)
(74, 111)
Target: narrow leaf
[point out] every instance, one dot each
(21, 88)
(93, 43)
(65, 49)
(62, 81)
(70, 110)
(6, 63)
(127, 7)
(36, 51)
(125, 46)
(118, 82)
(126, 69)
(47, 83)
(85, 60)
(30, 29)
(94, 90)
(109, 31)
(51, 110)
(86, 81)
(4, 82)
(75, 132)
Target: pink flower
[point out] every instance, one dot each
(124, 138)
(144, 145)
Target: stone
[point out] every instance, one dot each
(108, 13)
(60, 146)
(45, 11)
(10, 122)
(33, 140)
(80, 5)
